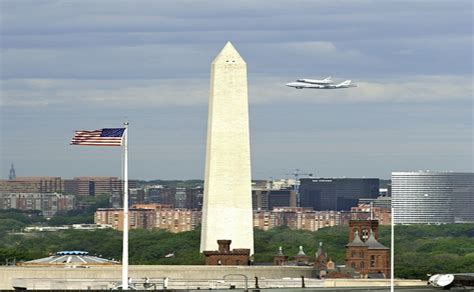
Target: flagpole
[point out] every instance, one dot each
(392, 250)
(125, 210)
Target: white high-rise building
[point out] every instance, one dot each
(433, 197)
(227, 201)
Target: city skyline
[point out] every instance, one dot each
(67, 66)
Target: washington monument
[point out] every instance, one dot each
(227, 206)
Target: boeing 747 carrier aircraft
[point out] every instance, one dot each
(320, 84)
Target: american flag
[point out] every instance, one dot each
(102, 137)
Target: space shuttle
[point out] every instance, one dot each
(324, 81)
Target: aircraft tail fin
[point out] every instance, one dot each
(345, 83)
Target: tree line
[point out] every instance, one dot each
(419, 249)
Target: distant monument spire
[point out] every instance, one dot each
(12, 173)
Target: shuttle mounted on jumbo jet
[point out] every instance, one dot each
(320, 84)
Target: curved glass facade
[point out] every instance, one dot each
(433, 197)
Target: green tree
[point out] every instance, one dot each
(420, 249)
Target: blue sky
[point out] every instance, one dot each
(69, 65)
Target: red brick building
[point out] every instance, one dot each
(321, 259)
(301, 259)
(363, 227)
(226, 257)
(363, 252)
(280, 259)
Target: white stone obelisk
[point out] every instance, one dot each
(227, 202)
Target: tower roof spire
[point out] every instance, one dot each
(280, 251)
(228, 55)
(12, 173)
(373, 243)
(357, 241)
(320, 250)
(301, 251)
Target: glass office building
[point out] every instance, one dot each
(339, 194)
(433, 197)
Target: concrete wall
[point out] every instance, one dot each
(371, 283)
(180, 277)
(7, 274)
(158, 284)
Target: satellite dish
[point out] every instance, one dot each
(445, 280)
(433, 279)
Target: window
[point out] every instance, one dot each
(365, 234)
(362, 265)
(372, 261)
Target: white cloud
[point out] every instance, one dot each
(140, 93)
(313, 47)
(192, 91)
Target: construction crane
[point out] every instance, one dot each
(297, 174)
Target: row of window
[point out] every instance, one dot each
(373, 261)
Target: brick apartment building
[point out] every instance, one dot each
(266, 220)
(366, 212)
(48, 203)
(34, 184)
(95, 185)
(182, 198)
(297, 218)
(79, 186)
(178, 220)
(149, 216)
(137, 218)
